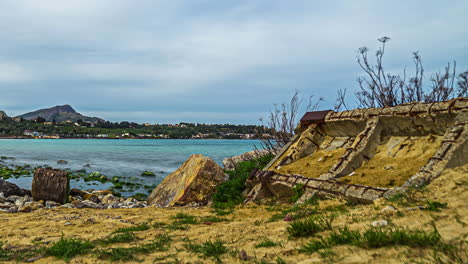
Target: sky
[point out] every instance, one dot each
(209, 61)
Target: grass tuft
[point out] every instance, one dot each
(213, 249)
(229, 193)
(67, 248)
(267, 243)
(309, 226)
(141, 227)
(435, 206)
(117, 238)
(161, 243)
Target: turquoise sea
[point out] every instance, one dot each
(127, 158)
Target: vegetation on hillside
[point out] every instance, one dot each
(230, 192)
(9, 127)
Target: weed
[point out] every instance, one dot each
(221, 212)
(161, 243)
(267, 243)
(229, 193)
(158, 224)
(380, 237)
(280, 261)
(185, 219)
(67, 248)
(117, 238)
(375, 238)
(435, 206)
(208, 249)
(141, 227)
(298, 192)
(5, 254)
(296, 212)
(308, 227)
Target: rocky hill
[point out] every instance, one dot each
(59, 113)
(3, 115)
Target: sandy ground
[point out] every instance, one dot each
(247, 226)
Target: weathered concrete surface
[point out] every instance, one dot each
(372, 133)
(193, 183)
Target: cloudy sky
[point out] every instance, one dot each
(208, 60)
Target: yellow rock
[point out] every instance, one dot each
(193, 182)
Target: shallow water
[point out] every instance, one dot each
(128, 158)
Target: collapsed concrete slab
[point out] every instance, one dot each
(365, 154)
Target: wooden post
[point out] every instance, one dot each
(50, 185)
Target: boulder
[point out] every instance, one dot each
(8, 188)
(193, 183)
(231, 163)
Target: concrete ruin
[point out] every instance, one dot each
(366, 154)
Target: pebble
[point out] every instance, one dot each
(379, 223)
(388, 208)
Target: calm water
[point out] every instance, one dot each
(128, 158)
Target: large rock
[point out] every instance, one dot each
(193, 182)
(8, 188)
(231, 163)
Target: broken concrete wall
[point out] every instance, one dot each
(370, 130)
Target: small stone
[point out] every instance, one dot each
(389, 167)
(87, 204)
(25, 209)
(67, 205)
(91, 197)
(68, 224)
(35, 205)
(243, 255)
(51, 204)
(379, 223)
(62, 162)
(388, 208)
(13, 198)
(12, 210)
(102, 192)
(108, 199)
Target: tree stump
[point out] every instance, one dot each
(50, 185)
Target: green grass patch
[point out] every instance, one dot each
(185, 219)
(229, 193)
(435, 206)
(117, 238)
(141, 227)
(309, 226)
(161, 243)
(221, 212)
(267, 243)
(208, 249)
(5, 254)
(298, 192)
(67, 248)
(296, 212)
(375, 238)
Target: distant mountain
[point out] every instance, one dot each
(3, 115)
(59, 113)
